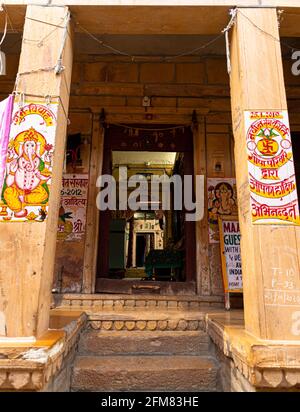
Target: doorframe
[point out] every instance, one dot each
(92, 212)
(92, 233)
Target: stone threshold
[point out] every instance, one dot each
(266, 364)
(98, 301)
(26, 366)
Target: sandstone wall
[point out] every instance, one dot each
(117, 85)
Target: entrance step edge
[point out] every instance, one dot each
(144, 343)
(163, 320)
(144, 373)
(99, 301)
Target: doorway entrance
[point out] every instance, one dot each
(144, 243)
(148, 247)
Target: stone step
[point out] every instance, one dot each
(144, 343)
(144, 373)
(94, 302)
(150, 320)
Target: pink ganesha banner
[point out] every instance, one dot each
(271, 168)
(26, 187)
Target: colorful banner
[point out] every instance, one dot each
(271, 168)
(72, 213)
(26, 187)
(222, 200)
(231, 254)
(6, 107)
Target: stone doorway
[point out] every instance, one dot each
(128, 240)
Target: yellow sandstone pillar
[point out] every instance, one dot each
(268, 211)
(28, 247)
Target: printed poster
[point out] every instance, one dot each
(28, 171)
(231, 254)
(271, 168)
(222, 200)
(72, 212)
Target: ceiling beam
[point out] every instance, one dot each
(157, 20)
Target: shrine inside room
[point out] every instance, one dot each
(133, 234)
(205, 94)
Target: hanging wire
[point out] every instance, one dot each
(34, 71)
(8, 18)
(41, 69)
(194, 51)
(59, 67)
(113, 49)
(225, 31)
(64, 109)
(56, 27)
(233, 13)
(5, 30)
(264, 31)
(167, 58)
(39, 96)
(41, 42)
(47, 98)
(45, 22)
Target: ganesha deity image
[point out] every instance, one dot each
(28, 171)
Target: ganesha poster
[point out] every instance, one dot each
(271, 168)
(27, 182)
(222, 201)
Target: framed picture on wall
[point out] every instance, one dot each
(222, 201)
